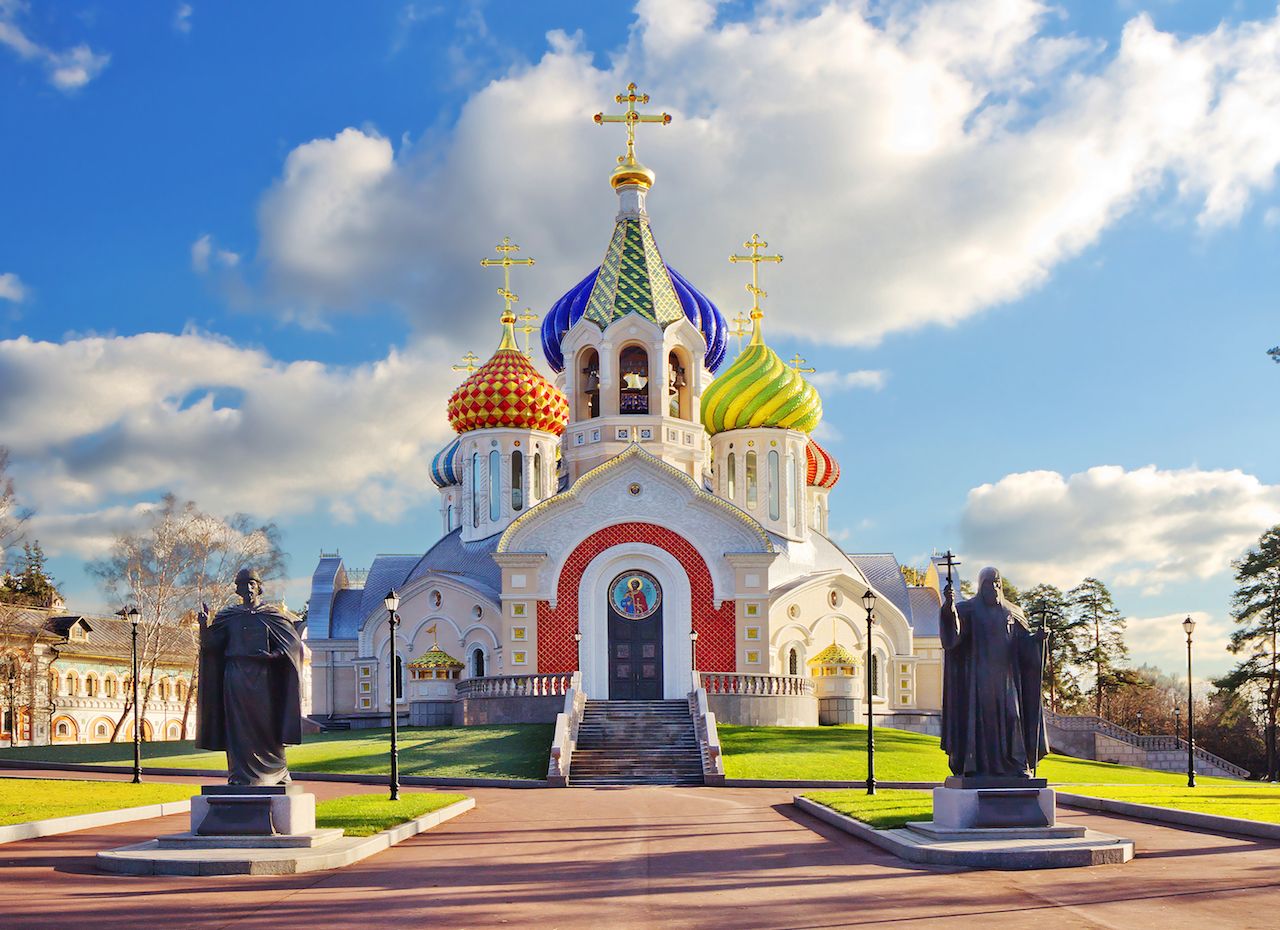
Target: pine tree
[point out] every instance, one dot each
(1103, 647)
(32, 586)
(1046, 604)
(1256, 609)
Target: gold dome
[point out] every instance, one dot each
(630, 171)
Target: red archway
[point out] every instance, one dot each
(557, 650)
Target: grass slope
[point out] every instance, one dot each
(884, 810)
(518, 751)
(26, 799)
(840, 754)
(367, 814)
(1250, 801)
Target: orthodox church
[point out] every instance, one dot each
(652, 522)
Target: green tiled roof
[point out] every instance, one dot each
(834, 655)
(633, 279)
(435, 658)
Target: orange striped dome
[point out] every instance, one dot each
(824, 470)
(508, 392)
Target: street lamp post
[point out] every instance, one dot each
(133, 616)
(1177, 721)
(693, 652)
(392, 602)
(869, 602)
(1139, 723)
(1189, 625)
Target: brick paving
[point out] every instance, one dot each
(652, 857)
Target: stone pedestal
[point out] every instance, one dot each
(994, 807)
(249, 810)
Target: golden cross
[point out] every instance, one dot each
(797, 361)
(468, 363)
(528, 318)
(739, 327)
(432, 630)
(631, 117)
(755, 244)
(505, 263)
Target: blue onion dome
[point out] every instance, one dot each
(699, 310)
(444, 467)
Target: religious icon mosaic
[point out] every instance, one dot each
(635, 595)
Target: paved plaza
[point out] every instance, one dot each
(651, 857)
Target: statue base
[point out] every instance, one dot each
(990, 808)
(252, 810)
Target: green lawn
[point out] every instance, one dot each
(840, 754)
(518, 751)
(367, 814)
(1251, 801)
(26, 799)
(884, 810)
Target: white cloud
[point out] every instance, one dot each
(204, 254)
(835, 381)
(67, 70)
(960, 136)
(1160, 641)
(182, 18)
(225, 425)
(1143, 528)
(12, 288)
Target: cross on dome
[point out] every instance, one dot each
(630, 171)
(468, 363)
(528, 318)
(505, 248)
(755, 244)
(796, 363)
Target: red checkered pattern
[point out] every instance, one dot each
(557, 651)
(507, 391)
(824, 470)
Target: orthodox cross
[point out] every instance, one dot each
(950, 562)
(468, 363)
(434, 640)
(739, 328)
(528, 318)
(505, 263)
(797, 361)
(755, 244)
(631, 117)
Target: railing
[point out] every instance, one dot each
(708, 738)
(1151, 743)
(750, 683)
(565, 739)
(549, 685)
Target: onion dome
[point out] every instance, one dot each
(760, 390)
(444, 466)
(508, 392)
(824, 470)
(835, 654)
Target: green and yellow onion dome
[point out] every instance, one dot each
(760, 390)
(835, 654)
(435, 657)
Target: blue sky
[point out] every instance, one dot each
(1030, 250)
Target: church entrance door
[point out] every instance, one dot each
(635, 638)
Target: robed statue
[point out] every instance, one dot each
(992, 719)
(249, 700)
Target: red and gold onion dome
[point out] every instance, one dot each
(824, 470)
(508, 392)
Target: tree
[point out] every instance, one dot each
(181, 559)
(1044, 603)
(12, 517)
(1256, 609)
(1274, 352)
(32, 586)
(1103, 648)
(913, 576)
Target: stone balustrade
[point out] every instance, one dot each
(554, 684)
(750, 699)
(754, 683)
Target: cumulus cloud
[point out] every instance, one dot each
(225, 425)
(67, 69)
(1145, 527)
(1160, 641)
(835, 381)
(12, 288)
(965, 137)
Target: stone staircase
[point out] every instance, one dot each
(636, 743)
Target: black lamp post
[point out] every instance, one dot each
(693, 653)
(869, 602)
(1139, 723)
(1177, 721)
(1189, 625)
(392, 602)
(133, 616)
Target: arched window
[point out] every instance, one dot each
(793, 497)
(448, 519)
(752, 482)
(110, 685)
(101, 730)
(731, 476)
(72, 684)
(91, 685)
(517, 481)
(775, 486)
(495, 479)
(678, 398)
(475, 489)
(818, 518)
(182, 690)
(539, 492)
(793, 662)
(588, 405)
(175, 730)
(875, 674)
(633, 382)
(399, 679)
(477, 662)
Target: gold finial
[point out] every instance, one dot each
(739, 327)
(630, 171)
(755, 244)
(797, 361)
(435, 644)
(528, 318)
(505, 262)
(468, 363)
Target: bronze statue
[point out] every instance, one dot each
(992, 720)
(249, 701)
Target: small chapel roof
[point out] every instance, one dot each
(835, 654)
(435, 657)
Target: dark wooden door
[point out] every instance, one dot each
(635, 657)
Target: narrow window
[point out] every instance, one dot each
(517, 481)
(538, 489)
(793, 663)
(775, 486)
(589, 392)
(448, 520)
(495, 478)
(793, 497)
(677, 388)
(477, 663)
(633, 384)
(875, 675)
(399, 679)
(475, 489)
(752, 497)
(730, 468)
